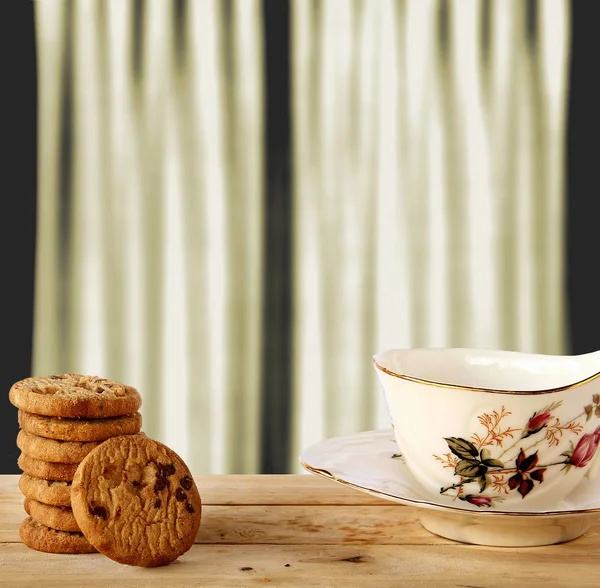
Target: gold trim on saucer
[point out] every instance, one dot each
(441, 507)
(475, 389)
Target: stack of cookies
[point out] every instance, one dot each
(62, 418)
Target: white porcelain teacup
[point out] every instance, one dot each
(498, 429)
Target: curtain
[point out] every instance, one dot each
(427, 200)
(149, 248)
(429, 190)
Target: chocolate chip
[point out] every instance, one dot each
(186, 482)
(135, 484)
(99, 511)
(245, 569)
(166, 469)
(189, 507)
(99, 390)
(161, 484)
(157, 503)
(287, 565)
(180, 495)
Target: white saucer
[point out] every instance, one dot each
(369, 462)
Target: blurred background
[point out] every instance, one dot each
(232, 204)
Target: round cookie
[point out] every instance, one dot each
(79, 429)
(37, 468)
(52, 492)
(54, 449)
(136, 501)
(42, 538)
(56, 517)
(74, 396)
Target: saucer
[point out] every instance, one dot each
(369, 462)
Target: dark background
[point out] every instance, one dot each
(18, 135)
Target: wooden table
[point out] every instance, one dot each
(300, 530)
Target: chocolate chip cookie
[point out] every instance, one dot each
(42, 538)
(74, 396)
(79, 429)
(53, 492)
(56, 517)
(53, 449)
(63, 472)
(136, 501)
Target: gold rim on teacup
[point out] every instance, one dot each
(478, 389)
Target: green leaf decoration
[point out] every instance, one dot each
(589, 411)
(485, 454)
(493, 463)
(483, 483)
(461, 447)
(470, 468)
(568, 453)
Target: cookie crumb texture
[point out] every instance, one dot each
(53, 449)
(64, 429)
(56, 517)
(52, 492)
(42, 538)
(136, 501)
(38, 468)
(74, 396)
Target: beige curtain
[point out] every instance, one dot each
(149, 250)
(428, 201)
(429, 189)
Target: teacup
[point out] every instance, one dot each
(498, 429)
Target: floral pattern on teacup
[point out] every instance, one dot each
(474, 461)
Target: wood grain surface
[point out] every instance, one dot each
(301, 531)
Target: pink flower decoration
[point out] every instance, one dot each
(537, 422)
(479, 500)
(585, 449)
